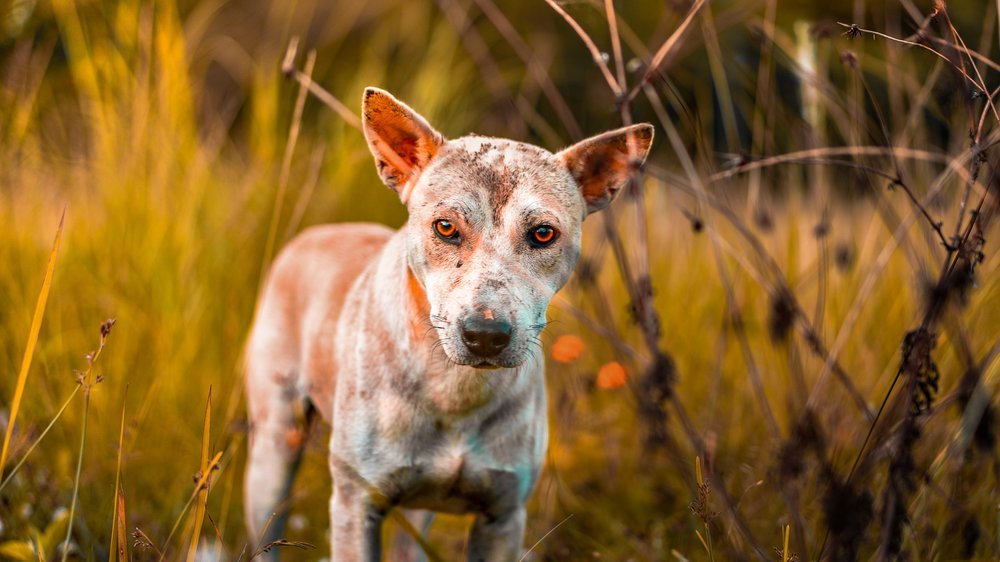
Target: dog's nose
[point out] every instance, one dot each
(485, 338)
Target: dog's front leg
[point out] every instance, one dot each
(355, 523)
(497, 539)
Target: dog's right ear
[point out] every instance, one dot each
(399, 138)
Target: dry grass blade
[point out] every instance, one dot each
(118, 549)
(429, 551)
(281, 543)
(202, 481)
(199, 511)
(29, 350)
(122, 529)
(545, 536)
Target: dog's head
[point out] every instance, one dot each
(494, 225)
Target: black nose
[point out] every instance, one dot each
(485, 338)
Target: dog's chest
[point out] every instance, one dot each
(458, 476)
(414, 453)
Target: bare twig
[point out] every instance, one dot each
(288, 69)
(664, 50)
(595, 53)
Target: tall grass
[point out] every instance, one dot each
(757, 283)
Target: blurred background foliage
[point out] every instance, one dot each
(162, 127)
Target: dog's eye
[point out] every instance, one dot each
(542, 236)
(446, 230)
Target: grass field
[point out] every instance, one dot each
(802, 289)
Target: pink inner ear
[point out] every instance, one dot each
(401, 141)
(601, 170)
(601, 173)
(601, 164)
(405, 146)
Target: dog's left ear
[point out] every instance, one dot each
(601, 164)
(402, 141)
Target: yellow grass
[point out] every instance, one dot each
(29, 351)
(187, 160)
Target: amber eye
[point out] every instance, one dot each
(541, 236)
(446, 230)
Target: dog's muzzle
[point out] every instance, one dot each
(484, 338)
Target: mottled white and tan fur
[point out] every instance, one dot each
(369, 328)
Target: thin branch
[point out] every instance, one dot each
(531, 60)
(591, 46)
(616, 41)
(664, 50)
(289, 70)
(852, 27)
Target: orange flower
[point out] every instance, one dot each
(611, 376)
(567, 348)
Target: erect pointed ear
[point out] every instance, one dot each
(400, 139)
(602, 164)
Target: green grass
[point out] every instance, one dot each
(161, 129)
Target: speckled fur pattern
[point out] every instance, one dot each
(361, 326)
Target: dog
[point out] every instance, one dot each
(421, 346)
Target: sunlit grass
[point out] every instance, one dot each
(169, 212)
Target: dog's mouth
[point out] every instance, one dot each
(486, 366)
(497, 363)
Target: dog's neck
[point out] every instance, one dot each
(449, 388)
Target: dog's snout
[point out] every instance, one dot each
(486, 338)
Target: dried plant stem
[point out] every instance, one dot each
(76, 479)
(810, 155)
(535, 69)
(664, 50)
(616, 42)
(87, 380)
(699, 191)
(717, 484)
(41, 436)
(305, 80)
(199, 510)
(959, 44)
(305, 195)
(545, 536)
(595, 53)
(753, 372)
(898, 171)
(286, 161)
(118, 547)
(491, 73)
(963, 49)
(977, 85)
(689, 167)
(199, 484)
